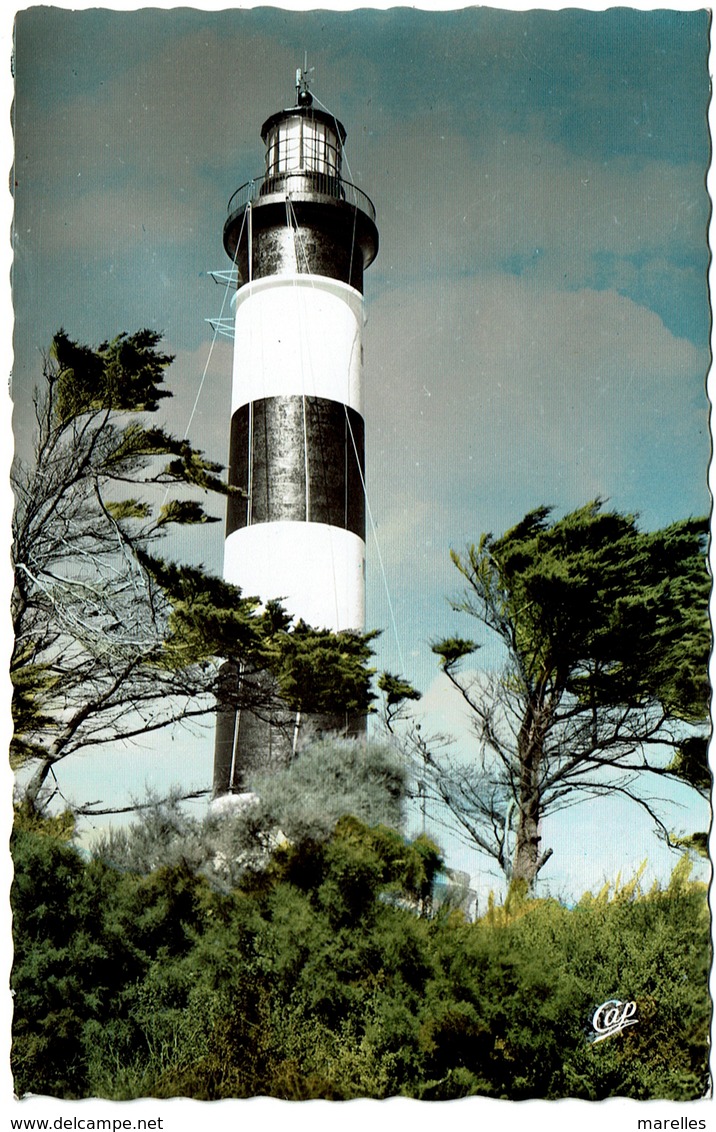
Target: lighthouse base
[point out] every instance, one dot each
(253, 742)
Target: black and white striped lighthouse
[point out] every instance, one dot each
(300, 237)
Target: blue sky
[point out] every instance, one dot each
(538, 320)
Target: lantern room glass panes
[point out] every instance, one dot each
(298, 144)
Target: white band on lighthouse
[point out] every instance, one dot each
(298, 334)
(287, 559)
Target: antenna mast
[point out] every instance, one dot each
(303, 95)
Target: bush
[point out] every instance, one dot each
(302, 802)
(322, 974)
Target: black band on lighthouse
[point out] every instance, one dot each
(307, 463)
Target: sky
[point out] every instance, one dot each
(537, 316)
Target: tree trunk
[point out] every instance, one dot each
(34, 786)
(526, 862)
(528, 858)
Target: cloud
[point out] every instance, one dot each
(520, 203)
(496, 381)
(107, 222)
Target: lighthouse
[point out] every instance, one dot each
(300, 237)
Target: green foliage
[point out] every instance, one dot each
(696, 842)
(317, 977)
(135, 443)
(396, 690)
(128, 509)
(614, 613)
(60, 827)
(33, 682)
(383, 857)
(315, 670)
(691, 762)
(124, 374)
(186, 511)
(323, 672)
(208, 616)
(56, 981)
(452, 650)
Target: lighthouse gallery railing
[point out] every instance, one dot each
(297, 184)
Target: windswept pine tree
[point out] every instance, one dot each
(604, 633)
(111, 640)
